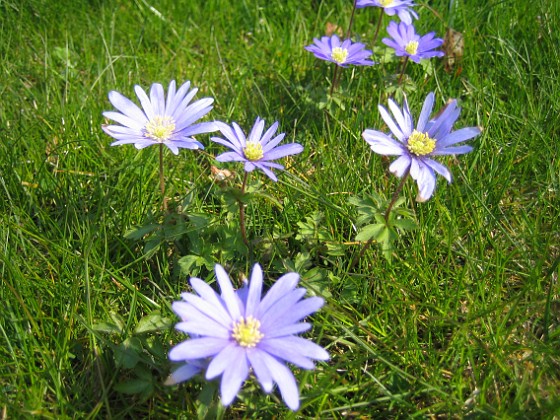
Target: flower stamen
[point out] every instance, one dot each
(247, 332)
(160, 128)
(420, 144)
(339, 55)
(253, 151)
(411, 48)
(386, 3)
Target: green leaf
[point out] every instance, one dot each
(127, 354)
(139, 232)
(370, 232)
(107, 327)
(405, 224)
(153, 322)
(134, 386)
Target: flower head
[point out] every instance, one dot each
(391, 7)
(416, 146)
(341, 53)
(258, 149)
(407, 43)
(238, 330)
(160, 121)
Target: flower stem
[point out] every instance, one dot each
(161, 179)
(242, 212)
(387, 212)
(396, 196)
(403, 69)
(351, 20)
(377, 29)
(334, 80)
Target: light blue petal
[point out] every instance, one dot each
(271, 144)
(197, 348)
(145, 102)
(297, 312)
(382, 144)
(232, 379)
(260, 368)
(400, 166)
(255, 290)
(182, 374)
(228, 294)
(426, 180)
(285, 380)
(157, 99)
(283, 285)
(288, 329)
(280, 308)
(125, 120)
(459, 150)
(127, 107)
(256, 131)
(282, 151)
(425, 113)
(458, 136)
(232, 353)
(390, 123)
(439, 168)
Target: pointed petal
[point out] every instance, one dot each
(255, 290)
(233, 378)
(197, 348)
(425, 113)
(382, 144)
(228, 294)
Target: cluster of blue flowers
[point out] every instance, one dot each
(238, 331)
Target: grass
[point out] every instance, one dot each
(464, 320)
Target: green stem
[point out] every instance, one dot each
(334, 80)
(403, 69)
(242, 212)
(351, 20)
(387, 212)
(161, 179)
(377, 29)
(396, 195)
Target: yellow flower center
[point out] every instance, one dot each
(385, 3)
(247, 332)
(411, 47)
(339, 55)
(160, 128)
(420, 144)
(253, 151)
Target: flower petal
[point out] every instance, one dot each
(232, 379)
(382, 144)
(197, 348)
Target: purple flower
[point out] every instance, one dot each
(160, 121)
(407, 43)
(392, 7)
(416, 146)
(256, 151)
(237, 331)
(342, 54)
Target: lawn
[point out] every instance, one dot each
(453, 311)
